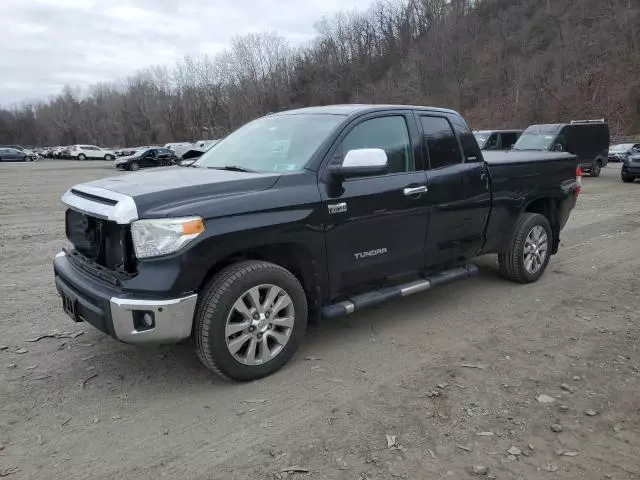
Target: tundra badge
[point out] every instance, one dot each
(370, 253)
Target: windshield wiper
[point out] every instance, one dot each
(233, 168)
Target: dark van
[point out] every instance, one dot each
(497, 139)
(587, 139)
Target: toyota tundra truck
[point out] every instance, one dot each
(299, 215)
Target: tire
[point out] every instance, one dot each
(512, 263)
(596, 169)
(215, 309)
(109, 158)
(82, 157)
(627, 178)
(133, 166)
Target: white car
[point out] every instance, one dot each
(82, 152)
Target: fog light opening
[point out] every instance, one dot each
(144, 320)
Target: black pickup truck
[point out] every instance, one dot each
(308, 213)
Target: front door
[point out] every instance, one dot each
(459, 196)
(149, 159)
(376, 225)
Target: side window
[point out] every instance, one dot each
(492, 142)
(387, 133)
(441, 142)
(569, 138)
(509, 140)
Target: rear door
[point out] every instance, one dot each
(376, 225)
(88, 150)
(459, 197)
(163, 156)
(5, 154)
(509, 139)
(14, 154)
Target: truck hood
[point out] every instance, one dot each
(161, 188)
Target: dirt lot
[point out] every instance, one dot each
(453, 374)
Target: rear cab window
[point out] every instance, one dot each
(470, 149)
(441, 141)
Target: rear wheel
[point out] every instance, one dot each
(250, 320)
(528, 257)
(627, 178)
(82, 156)
(596, 169)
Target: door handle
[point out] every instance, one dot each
(485, 179)
(410, 191)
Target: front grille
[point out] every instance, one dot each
(102, 242)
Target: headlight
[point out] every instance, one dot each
(152, 238)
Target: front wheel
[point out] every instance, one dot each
(250, 320)
(82, 156)
(596, 169)
(528, 257)
(109, 157)
(134, 166)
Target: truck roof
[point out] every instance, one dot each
(358, 109)
(556, 127)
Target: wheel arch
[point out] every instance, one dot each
(294, 257)
(548, 208)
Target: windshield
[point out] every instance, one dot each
(534, 142)
(481, 138)
(278, 143)
(621, 148)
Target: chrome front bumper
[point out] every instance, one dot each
(172, 319)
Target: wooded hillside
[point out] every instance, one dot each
(501, 63)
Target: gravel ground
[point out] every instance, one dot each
(426, 387)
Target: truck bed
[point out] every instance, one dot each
(517, 180)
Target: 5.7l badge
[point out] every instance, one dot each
(337, 208)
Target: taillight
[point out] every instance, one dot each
(578, 180)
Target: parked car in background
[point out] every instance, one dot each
(174, 145)
(497, 139)
(617, 153)
(630, 168)
(17, 147)
(179, 147)
(193, 154)
(31, 154)
(586, 139)
(124, 152)
(83, 152)
(145, 158)
(65, 153)
(14, 155)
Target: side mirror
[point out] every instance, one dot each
(557, 148)
(361, 162)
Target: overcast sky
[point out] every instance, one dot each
(46, 44)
